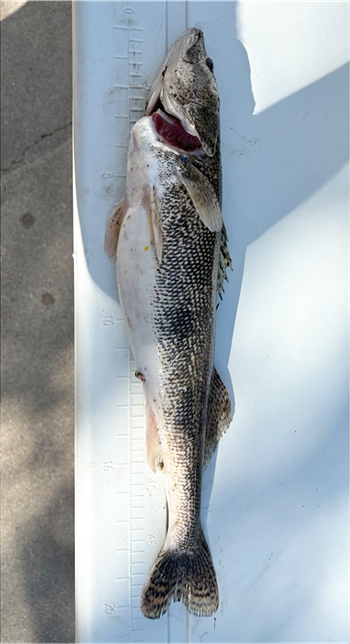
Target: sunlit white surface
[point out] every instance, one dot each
(289, 47)
(275, 497)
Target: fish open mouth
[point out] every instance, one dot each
(171, 131)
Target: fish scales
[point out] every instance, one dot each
(170, 245)
(184, 322)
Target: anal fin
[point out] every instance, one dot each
(219, 414)
(153, 445)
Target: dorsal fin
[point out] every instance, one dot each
(224, 261)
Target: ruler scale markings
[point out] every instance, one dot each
(137, 536)
(135, 602)
(133, 539)
(139, 436)
(137, 440)
(138, 423)
(137, 468)
(136, 445)
(139, 523)
(135, 592)
(138, 539)
(136, 420)
(129, 514)
(136, 487)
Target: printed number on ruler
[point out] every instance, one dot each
(150, 486)
(107, 321)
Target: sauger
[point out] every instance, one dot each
(170, 245)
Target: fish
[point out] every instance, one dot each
(169, 242)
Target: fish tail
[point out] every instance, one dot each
(186, 574)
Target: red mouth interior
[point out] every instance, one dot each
(171, 131)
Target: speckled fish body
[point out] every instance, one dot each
(171, 257)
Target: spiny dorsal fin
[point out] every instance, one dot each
(219, 414)
(203, 196)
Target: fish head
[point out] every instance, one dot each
(186, 89)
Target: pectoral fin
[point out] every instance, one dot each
(156, 225)
(113, 227)
(203, 196)
(219, 413)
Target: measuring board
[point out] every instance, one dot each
(274, 510)
(120, 503)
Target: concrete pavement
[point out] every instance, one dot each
(37, 324)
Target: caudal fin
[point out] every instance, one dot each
(181, 574)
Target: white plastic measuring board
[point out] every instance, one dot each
(275, 497)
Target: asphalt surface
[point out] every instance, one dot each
(37, 324)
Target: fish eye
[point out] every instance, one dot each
(210, 64)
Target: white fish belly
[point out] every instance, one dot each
(136, 265)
